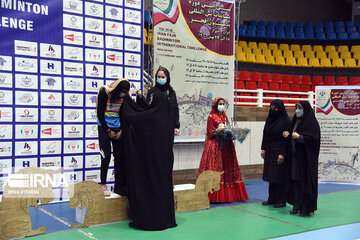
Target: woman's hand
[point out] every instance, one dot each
(118, 135)
(139, 93)
(295, 135)
(286, 134)
(176, 132)
(262, 154)
(112, 134)
(280, 159)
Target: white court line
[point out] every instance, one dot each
(57, 218)
(343, 183)
(89, 235)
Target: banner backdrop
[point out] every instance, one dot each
(338, 113)
(194, 40)
(54, 56)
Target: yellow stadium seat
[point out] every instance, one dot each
(288, 54)
(279, 61)
(302, 62)
(314, 62)
(333, 55)
(330, 48)
(325, 62)
(241, 57)
(257, 51)
(247, 50)
(321, 55)
(277, 53)
(250, 57)
(310, 54)
(295, 47)
(263, 46)
(350, 62)
(291, 61)
(318, 48)
(252, 45)
(242, 44)
(150, 36)
(306, 48)
(355, 48)
(269, 60)
(273, 46)
(345, 55)
(343, 48)
(357, 55)
(260, 58)
(284, 46)
(146, 37)
(338, 62)
(267, 52)
(298, 54)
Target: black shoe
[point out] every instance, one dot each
(135, 225)
(294, 211)
(265, 203)
(279, 205)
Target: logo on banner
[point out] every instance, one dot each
(27, 131)
(132, 45)
(92, 146)
(94, 9)
(114, 12)
(73, 6)
(25, 65)
(51, 131)
(50, 82)
(132, 73)
(114, 57)
(73, 132)
(132, 61)
(73, 53)
(73, 84)
(26, 149)
(26, 82)
(73, 146)
(73, 115)
(25, 48)
(94, 56)
(51, 116)
(94, 41)
(27, 116)
(93, 25)
(26, 98)
(73, 69)
(5, 80)
(2, 63)
(74, 100)
(5, 115)
(133, 3)
(73, 37)
(133, 16)
(51, 52)
(132, 31)
(171, 13)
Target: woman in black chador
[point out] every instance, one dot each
(147, 145)
(274, 153)
(305, 146)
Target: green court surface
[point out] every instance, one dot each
(246, 221)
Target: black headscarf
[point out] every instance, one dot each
(276, 122)
(308, 125)
(166, 86)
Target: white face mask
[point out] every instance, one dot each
(221, 108)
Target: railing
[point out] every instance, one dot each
(260, 97)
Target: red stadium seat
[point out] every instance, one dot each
(251, 85)
(306, 88)
(255, 76)
(286, 78)
(239, 85)
(274, 86)
(295, 87)
(244, 75)
(306, 80)
(330, 80)
(296, 79)
(266, 77)
(285, 87)
(318, 80)
(342, 81)
(276, 77)
(354, 81)
(236, 75)
(263, 85)
(273, 96)
(284, 96)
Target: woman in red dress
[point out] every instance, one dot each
(222, 158)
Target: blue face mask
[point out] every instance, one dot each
(122, 94)
(299, 113)
(161, 81)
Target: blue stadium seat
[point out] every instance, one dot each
(253, 23)
(340, 29)
(299, 25)
(270, 34)
(320, 36)
(329, 29)
(299, 30)
(309, 30)
(280, 35)
(262, 23)
(261, 28)
(243, 26)
(309, 25)
(290, 35)
(309, 35)
(252, 27)
(289, 29)
(280, 24)
(329, 24)
(339, 24)
(289, 24)
(355, 35)
(351, 29)
(318, 25)
(349, 23)
(300, 35)
(357, 23)
(271, 24)
(146, 17)
(242, 32)
(343, 36)
(331, 36)
(279, 29)
(261, 33)
(319, 30)
(270, 28)
(251, 33)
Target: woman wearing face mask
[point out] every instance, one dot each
(163, 85)
(305, 146)
(274, 153)
(222, 158)
(109, 100)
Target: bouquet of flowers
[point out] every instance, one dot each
(227, 133)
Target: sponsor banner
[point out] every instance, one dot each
(114, 72)
(94, 25)
(50, 147)
(91, 131)
(50, 163)
(29, 148)
(73, 37)
(73, 53)
(73, 69)
(337, 110)
(25, 98)
(6, 80)
(73, 6)
(73, 21)
(94, 55)
(21, 163)
(114, 13)
(90, 100)
(51, 99)
(90, 115)
(132, 30)
(50, 82)
(92, 175)
(73, 146)
(6, 114)
(6, 98)
(26, 81)
(133, 16)
(92, 146)
(51, 115)
(73, 162)
(73, 115)
(93, 85)
(132, 45)
(73, 84)
(25, 114)
(50, 131)
(5, 149)
(6, 132)
(50, 67)
(26, 48)
(94, 40)
(94, 9)
(50, 50)
(198, 35)
(92, 161)
(94, 70)
(26, 65)
(73, 131)
(73, 100)
(26, 131)
(114, 28)
(5, 167)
